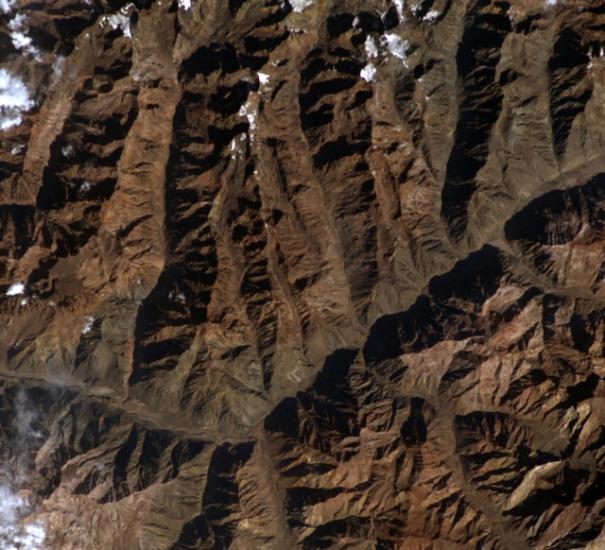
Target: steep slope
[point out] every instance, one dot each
(302, 273)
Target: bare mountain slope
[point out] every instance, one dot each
(302, 274)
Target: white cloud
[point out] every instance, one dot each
(14, 99)
(14, 533)
(9, 506)
(20, 40)
(18, 27)
(18, 530)
(15, 289)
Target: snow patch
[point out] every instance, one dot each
(14, 99)
(6, 5)
(399, 7)
(396, 45)
(88, 322)
(592, 57)
(185, 4)
(120, 20)
(177, 296)
(16, 289)
(300, 5)
(249, 111)
(368, 72)
(68, 151)
(371, 47)
(263, 78)
(431, 16)
(235, 145)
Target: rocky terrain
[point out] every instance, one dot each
(302, 274)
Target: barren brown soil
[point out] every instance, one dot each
(302, 274)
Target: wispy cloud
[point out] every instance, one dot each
(15, 533)
(18, 531)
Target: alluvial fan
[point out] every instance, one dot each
(302, 274)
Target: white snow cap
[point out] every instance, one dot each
(263, 78)
(14, 99)
(368, 72)
(16, 289)
(300, 5)
(185, 4)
